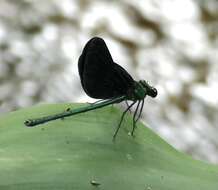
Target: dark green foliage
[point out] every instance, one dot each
(78, 153)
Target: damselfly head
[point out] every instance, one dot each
(151, 91)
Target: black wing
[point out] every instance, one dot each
(100, 77)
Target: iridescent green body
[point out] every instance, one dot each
(69, 112)
(140, 90)
(137, 93)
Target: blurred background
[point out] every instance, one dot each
(171, 43)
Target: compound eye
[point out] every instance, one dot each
(153, 92)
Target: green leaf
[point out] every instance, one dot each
(78, 153)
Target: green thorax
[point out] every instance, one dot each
(139, 91)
